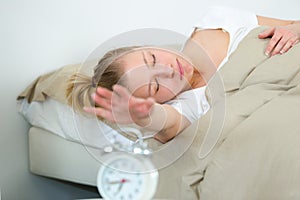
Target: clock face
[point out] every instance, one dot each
(126, 177)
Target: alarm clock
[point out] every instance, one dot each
(127, 176)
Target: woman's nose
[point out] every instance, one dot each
(165, 71)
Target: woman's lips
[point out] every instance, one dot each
(181, 72)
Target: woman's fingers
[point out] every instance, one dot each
(120, 92)
(279, 43)
(138, 107)
(289, 44)
(146, 104)
(102, 98)
(276, 42)
(102, 102)
(141, 107)
(282, 39)
(119, 105)
(267, 33)
(104, 93)
(101, 112)
(275, 37)
(273, 43)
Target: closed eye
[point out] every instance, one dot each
(154, 59)
(154, 63)
(157, 85)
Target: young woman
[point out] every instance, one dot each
(139, 84)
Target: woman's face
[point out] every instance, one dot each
(157, 73)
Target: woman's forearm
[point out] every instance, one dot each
(268, 21)
(156, 120)
(165, 120)
(297, 25)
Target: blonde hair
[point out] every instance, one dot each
(107, 73)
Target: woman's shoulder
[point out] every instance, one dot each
(209, 39)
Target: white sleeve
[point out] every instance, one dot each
(238, 23)
(229, 19)
(186, 107)
(192, 103)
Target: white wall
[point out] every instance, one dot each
(37, 36)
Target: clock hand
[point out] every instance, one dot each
(117, 182)
(121, 183)
(119, 188)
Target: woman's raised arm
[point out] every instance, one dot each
(119, 106)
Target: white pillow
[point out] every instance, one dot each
(60, 119)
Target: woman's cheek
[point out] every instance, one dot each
(189, 69)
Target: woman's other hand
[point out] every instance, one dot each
(119, 106)
(282, 38)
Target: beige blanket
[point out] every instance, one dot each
(246, 147)
(248, 144)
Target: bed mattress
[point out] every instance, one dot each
(45, 153)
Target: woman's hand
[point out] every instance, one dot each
(119, 106)
(282, 38)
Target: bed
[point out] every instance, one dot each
(245, 147)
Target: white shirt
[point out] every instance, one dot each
(238, 23)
